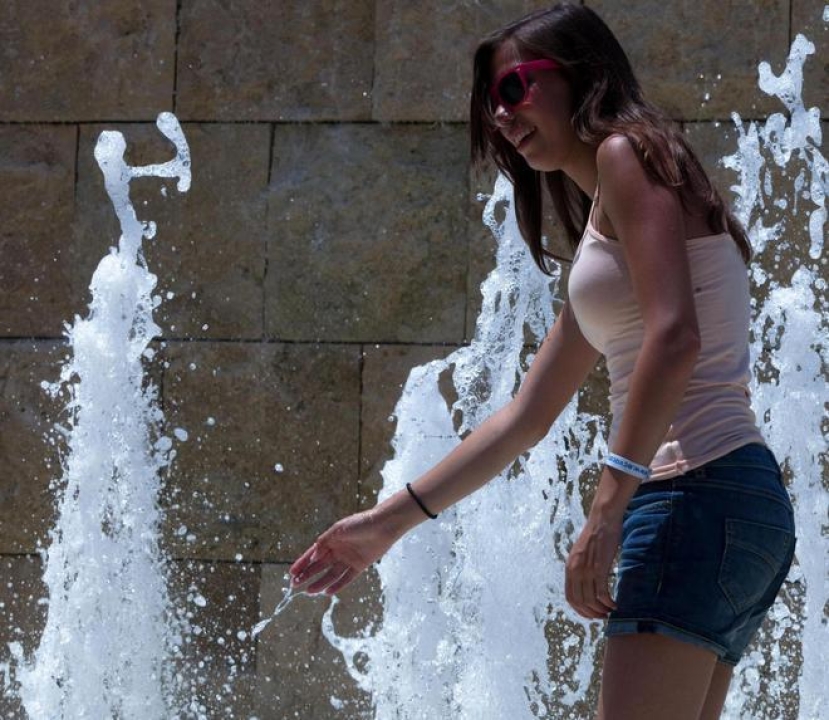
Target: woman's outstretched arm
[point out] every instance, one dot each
(349, 546)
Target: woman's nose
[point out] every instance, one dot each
(502, 115)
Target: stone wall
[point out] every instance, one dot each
(330, 242)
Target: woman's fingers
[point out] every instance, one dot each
(593, 598)
(590, 609)
(303, 560)
(603, 593)
(333, 574)
(587, 572)
(313, 561)
(588, 595)
(348, 546)
(344, 581)
(325, 574)
(310, 571)
(578, 599)
(341, 574)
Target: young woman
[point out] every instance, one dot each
(690, 496)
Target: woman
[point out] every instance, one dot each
(690, 495)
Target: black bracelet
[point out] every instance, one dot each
(418, 501)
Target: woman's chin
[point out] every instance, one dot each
(539, 160)
(541, 164)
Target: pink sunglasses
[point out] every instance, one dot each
(510, 89)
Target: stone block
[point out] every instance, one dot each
(209, 248)
(276, 61)
(385, 371)
(23, 618)
(37, 175)
(423, 67)
(809, 18)
(366, 234)
(28, 447)
(271, 457)
(594, 394)
(700, 61)
(712, 141)
(300, 674)
(217, 605)
(76, 61)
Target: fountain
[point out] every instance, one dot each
(791, 357)
(109, 637)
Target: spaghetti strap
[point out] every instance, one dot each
(593, 208)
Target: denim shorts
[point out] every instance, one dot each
(703, 555)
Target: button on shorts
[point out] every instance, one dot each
(703, 555)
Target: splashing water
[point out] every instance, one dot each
(475, 625)
(288, 595)
(790, 395)
(105, 649)
(468, 598)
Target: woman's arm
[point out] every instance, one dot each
(350, 545)
(648, 220)
(558, 370)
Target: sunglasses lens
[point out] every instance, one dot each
(511, 89)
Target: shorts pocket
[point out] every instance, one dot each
(754, 556)
(643, 534)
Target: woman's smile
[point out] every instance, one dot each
(519, 138)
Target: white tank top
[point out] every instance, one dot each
(715, 415)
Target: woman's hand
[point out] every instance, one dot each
(341, 553)
(588, 566)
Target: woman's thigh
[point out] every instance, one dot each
(653, 677)
(717, 692)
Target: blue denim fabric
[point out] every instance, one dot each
(704, 555)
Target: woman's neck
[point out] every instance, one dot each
(581, 168)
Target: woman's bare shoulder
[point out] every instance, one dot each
(616, 159)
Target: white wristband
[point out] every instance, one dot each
(627, 466)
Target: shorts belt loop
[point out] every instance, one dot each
(699, 473)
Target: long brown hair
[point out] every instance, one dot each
(607, 99)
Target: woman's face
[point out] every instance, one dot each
(539, 127)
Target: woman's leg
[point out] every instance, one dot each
(717, 691)
(653, 677)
